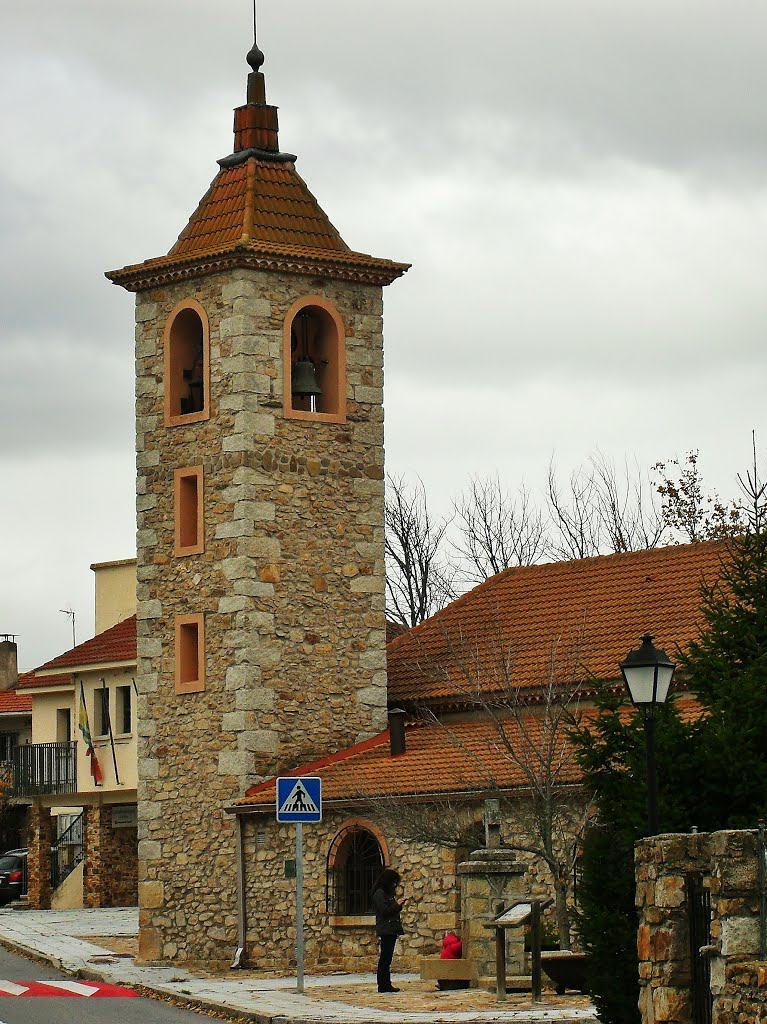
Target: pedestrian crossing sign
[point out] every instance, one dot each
(299, 798)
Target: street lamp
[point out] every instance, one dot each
(648, 672)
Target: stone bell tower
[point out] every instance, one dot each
(259, 447)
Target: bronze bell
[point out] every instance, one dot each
(304, 379)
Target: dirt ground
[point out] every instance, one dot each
(124, 945)
(423, 997)
(415, 996)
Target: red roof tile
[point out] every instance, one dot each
(14, 703)
(582, 617)
(262, 201)
(30, 680)
(466, 756)
(113, 645)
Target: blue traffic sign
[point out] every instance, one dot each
(299, 798)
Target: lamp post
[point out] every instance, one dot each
(648, 672)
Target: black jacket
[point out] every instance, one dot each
(388, 921)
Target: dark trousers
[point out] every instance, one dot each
(388, 942)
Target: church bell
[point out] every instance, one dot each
(304, 379)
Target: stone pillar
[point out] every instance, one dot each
(39, 858)
(111, 861)
(490, 881)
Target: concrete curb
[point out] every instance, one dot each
(119, 973)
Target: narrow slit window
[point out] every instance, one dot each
(189, 535)
(190, 654)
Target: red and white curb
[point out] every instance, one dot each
(57, 989)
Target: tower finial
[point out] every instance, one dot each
(255, 57)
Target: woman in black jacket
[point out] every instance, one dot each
(388, 924)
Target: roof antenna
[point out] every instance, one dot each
(255, 57)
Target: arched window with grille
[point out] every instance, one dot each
(355, 859)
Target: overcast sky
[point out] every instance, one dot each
(580, 187)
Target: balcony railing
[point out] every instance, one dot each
(44, 769)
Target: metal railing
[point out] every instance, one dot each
(761, 847)
(41, 769)
(67, 852)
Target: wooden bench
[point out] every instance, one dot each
(448, 973)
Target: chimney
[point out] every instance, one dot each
(396, 732)
(9, 669)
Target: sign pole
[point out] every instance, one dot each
(299, 799)
(299, 906)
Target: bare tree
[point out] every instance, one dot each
(525, 761)
(496, 531)
(629, 519)
(418, 579)
(602, 511)
(573, 516)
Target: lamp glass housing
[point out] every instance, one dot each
(647, 673)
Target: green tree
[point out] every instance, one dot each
(712, 772)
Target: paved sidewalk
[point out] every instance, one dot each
(60, 938)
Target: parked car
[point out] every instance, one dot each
(13, 875)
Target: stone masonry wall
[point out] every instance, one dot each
(39, 858)
(743, 999)
(291, 583)
(728, 863)
(348, 944)
(111, 861)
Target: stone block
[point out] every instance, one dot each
(148, 768)
(234, 721)
(259, 741)
(670, 892)
(233, 762)
(267, 548)
(149, 849)
(258, 699)
(367, 585)
(149, 609)
(151, 895)
(740, 937)
(671, 1004)
(229, 604)
(146, 311)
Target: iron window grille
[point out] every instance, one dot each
(354, 863)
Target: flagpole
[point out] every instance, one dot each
(105, 691)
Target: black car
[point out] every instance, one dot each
(13, 875)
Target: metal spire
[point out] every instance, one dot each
(255, 57)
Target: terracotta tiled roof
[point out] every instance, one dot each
(14, 703)
(461, 757)
(113, 645)
(30, 680)
(453, 757)
(262, 201)
(586, 615)
(258, 212)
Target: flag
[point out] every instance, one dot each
(85, 730)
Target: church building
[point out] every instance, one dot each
(261, 631)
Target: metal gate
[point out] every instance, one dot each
(699, 920)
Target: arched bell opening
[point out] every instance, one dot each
(314, 356)
(186, 363)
